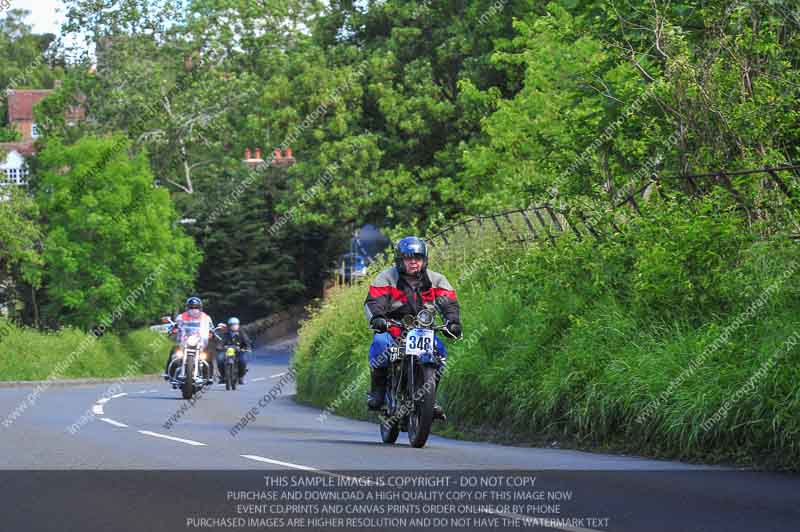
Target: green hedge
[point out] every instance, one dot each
(632, 343)
(28, 354)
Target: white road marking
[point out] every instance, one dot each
(112, 422)
(545, 522)
(173, 438)
(278, 462)
(259, 379)
(97, 410)
(303, 468)
(103, 401)
(152, 391)
(278, 375)
(118, 395)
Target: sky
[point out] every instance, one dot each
(43, 17)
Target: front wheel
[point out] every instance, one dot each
(188, 379)
(228, 375)
(424, 399)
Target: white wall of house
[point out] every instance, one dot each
(13, 170)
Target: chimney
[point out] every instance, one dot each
(278, 155)
(288, 153)
(258, 153)
(247, 154)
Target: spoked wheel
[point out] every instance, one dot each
(420, 418)
(188, 380)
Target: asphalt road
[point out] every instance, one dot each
(135, 456)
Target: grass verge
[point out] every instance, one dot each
(675, 338)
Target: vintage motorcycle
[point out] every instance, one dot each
(191, 363)
(231, 370)
(412, 378)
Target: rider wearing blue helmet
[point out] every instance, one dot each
(400, 291)
(234, 336)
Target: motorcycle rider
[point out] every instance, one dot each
(397, 292)
(234, 336)
(193, 314)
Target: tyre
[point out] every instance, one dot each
(229, 382)
(421, 418)
(187, 388)
(234, 375)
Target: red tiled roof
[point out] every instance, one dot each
(21, 102)
(24, 148)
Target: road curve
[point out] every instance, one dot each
(143, 459)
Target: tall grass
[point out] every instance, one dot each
(28, 354)
(601, 344)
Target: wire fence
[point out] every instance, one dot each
(770, 194)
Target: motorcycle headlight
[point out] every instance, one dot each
(192, 341)
(178, 353)
(203, 355)
(425, 318)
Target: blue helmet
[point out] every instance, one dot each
(410, 246)
(194, 302)
(233, 321)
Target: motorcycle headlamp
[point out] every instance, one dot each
(425, 318)
(192, 341)
(178, 353)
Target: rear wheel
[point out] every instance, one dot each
(421, 417)
(188, 379)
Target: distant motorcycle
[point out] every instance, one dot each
(232, 354)
(191, 360)
(411, 388)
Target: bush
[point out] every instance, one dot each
(28, 354)
(634, 342)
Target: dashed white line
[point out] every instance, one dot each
(118, 395)
(278, 375)
(259, 379)
(278, 462)
(112, 422)
(173, 438)
(97, 410)
(103, 401)
(303, 468)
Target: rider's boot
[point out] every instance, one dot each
(438, 411)
(377, 389)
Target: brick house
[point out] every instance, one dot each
(13, 167)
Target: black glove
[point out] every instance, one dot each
(453, 330)
(379, 325)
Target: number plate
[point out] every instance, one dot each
(419, 341)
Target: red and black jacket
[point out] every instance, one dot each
(391, 297)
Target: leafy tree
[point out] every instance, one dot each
(110, 234)
(20, 244)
